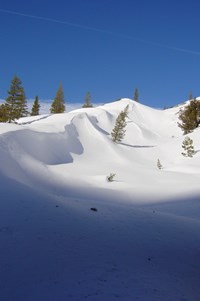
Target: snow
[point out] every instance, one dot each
(143, 241)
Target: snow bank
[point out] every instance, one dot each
(143, 241)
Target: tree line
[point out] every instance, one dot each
(15, 105)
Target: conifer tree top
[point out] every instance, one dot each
(190, 116)
(136, 95)
(87, 103)
(58, 104)
(118, 131)
(16, 105)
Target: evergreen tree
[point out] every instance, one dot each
(35, 107)
(58, 104)
(3, 113)
(159, 165)
(87, 103)
(16, 104)
(188, 147)
(118, 131)
(190, 96)
(136, 95)
(190, 116)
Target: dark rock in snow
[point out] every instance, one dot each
(93, 209)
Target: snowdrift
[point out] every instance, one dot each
(76, 149)
(141, 243)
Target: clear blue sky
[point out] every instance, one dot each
(107, 47)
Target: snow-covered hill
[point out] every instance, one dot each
(143, 243)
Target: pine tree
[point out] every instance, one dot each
(16, 104)
(190, 96)
(136, 95)
(188, 147)
(87, 103)
(118, 131)
(159, 165)
(190, 116)
(35, 107)
(3, 113)
(58, 104)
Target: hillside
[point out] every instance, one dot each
(143, 242)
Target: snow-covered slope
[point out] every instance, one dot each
(75, 149)
(143, 243)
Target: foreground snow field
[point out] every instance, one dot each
(143, 241)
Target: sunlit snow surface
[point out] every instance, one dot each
(143, 243)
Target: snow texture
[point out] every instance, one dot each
(66, 233)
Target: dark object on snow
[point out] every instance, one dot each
(57, 206)
(111, 177)
(93, 209)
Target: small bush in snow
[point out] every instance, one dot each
(188, 147)
(159, 165)
(110, 178)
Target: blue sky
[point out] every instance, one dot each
(107, 47)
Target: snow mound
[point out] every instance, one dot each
(142, 240)
(79, 144)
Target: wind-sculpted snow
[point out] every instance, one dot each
(77, 146)
(47, 148)
(141, 240)
(26, 154)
